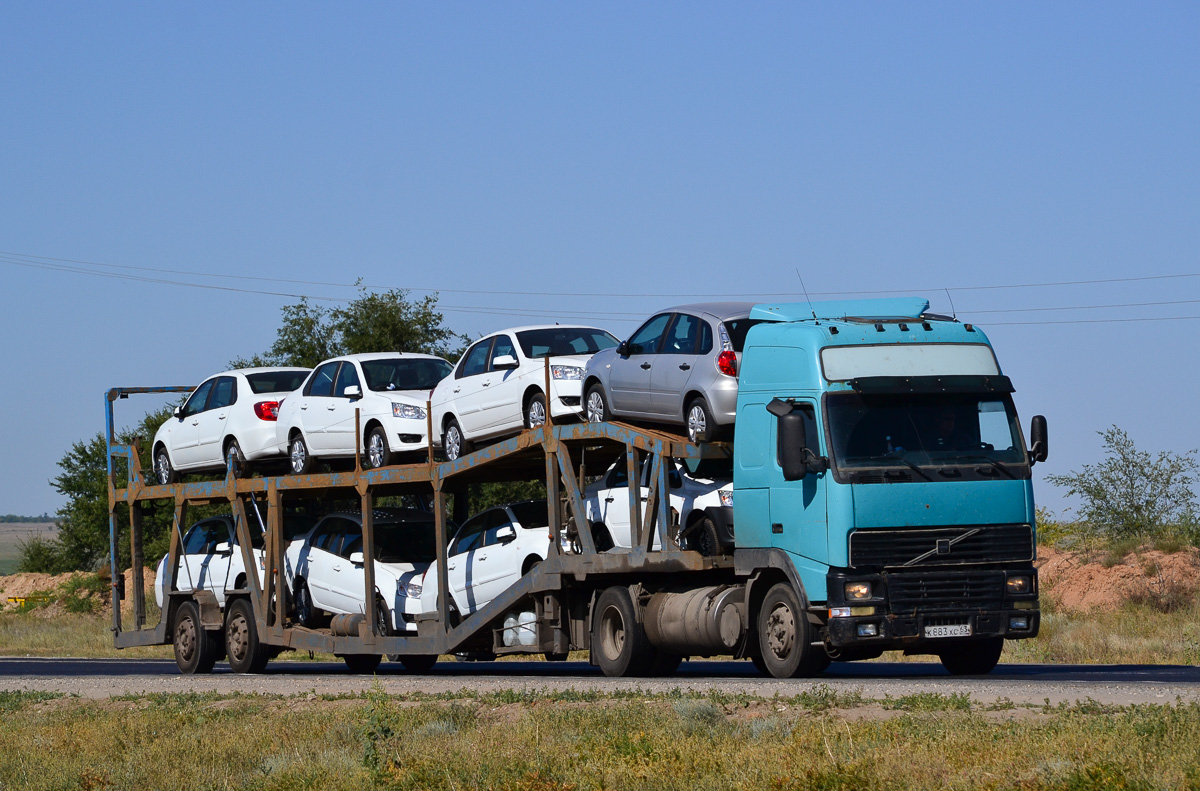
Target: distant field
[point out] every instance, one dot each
(12, 534)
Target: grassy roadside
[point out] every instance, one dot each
(569, 741)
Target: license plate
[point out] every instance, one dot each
(952, 630)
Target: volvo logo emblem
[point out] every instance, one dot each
(943, 546)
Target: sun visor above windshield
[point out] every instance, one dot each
(896, 308)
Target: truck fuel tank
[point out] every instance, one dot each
(697, 622)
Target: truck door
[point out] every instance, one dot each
(798, 508)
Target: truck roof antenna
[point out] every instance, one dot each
(806, 297)
(953, 312)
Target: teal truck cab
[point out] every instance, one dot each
(880, 464)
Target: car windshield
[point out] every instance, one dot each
(407, 542)
(559, 341)
(276, 381)
(419, 373)
(883, 430)
(531, 514)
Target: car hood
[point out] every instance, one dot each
(402, 573)
(413, 397)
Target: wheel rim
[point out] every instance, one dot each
(381, 619)
(299, 455)
(303, 607)
(375, 449)
(239, 638)
(537, 414)
(595, 407)
(186, 639)
(233, 459)
(162, 466)
(612, 638)
(781, 631)
(453, 443)
(696, 422)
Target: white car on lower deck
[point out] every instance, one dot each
(498, 387)
(388, 390)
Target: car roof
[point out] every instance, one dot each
(544, 327)
(718, 310)
(387, 515)
(258, 370)
(367, 356)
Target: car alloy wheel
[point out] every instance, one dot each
(596, 408)
(376, 450)
(452, 442)
(536, 414)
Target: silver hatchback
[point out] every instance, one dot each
(679, 367)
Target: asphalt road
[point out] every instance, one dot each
(1021, 684)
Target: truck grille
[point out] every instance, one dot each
(941, 546)
(954, 590)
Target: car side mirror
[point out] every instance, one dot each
(357, 558)
(1037, 434)
(504, 361)
(506, 534)
(352, 391)
(623, 348)
(177, 411)
(223, 548)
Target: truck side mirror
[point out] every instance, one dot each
(1037, 434)
(792, 446)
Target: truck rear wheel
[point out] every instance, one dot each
(246, 653)
(418, 663)
(196, 649)
(974, 658)
(785, 637)
(362, 664)
(619, 643)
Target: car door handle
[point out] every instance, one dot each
(451, 567)
(457, 389)
(645, 366)
(304, 406)
(609, 499)
(220, 417)
(481, 557)
(331, 407)
(685, 367)
(485, 384)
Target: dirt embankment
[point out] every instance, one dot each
(15, 587)
(1086, 582)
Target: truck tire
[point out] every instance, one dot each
(196, 648)
(619, 643)
(419, 663)
(246, 653)
(785, 637)
(362, 664)
(973, 658)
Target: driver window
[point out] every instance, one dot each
(198, 399)
(681, 338)
(504, 345)
(346, 377)
(321, 383)
(476, 360)
(496, 520)
(193, 543)
(469, 536)
(646, 339)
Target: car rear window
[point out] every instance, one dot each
(276, 381)
(405, 374)
(737, 329)
(558, 341)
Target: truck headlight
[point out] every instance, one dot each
(856, 591)
(408, 411)
(1018, 585)
(566, 372)
(726, 497)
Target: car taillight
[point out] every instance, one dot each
(727, 363)
(267, 410)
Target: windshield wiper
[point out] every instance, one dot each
(998, 465)
(895, 455)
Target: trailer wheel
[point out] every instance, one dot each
(246, 653)
(196, 648)
(665, 664)
(785, 637)
(619, 643)
(362, 664)
(974, 658)
(419, 663)
(378, 454)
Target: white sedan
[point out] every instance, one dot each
(229, 419)
(498, 387)
(209, 559)
(702, 502)
(491, 551)
(389, 391)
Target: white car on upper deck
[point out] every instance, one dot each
(498, 387)
(389, 390)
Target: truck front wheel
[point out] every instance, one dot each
(619, 643)
(785, 637)
(974, 658)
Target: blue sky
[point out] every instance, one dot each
(598, 162)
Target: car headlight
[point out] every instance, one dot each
(407, 411)
(857, 590)
(726, 497)
(1018, 585)
(566, 372)
(413, 590)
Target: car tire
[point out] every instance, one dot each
(378, 455)
(383, 618)
(300, 461)
(972, 658)
(699, 421)
(619, 643)
(454, 444)
(703, 538)
(246, 653)
(595, 405)
(362, 664)
(306, 614)
(535, 411)
(418, 663)
(785, 637)
(235, 458)
(196, 649)
(163, 470)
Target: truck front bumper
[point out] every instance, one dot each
(921, 609)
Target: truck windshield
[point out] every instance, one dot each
(934, 430)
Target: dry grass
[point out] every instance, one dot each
(14, 534)
(576, 742)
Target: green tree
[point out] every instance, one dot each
(1133, 493)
